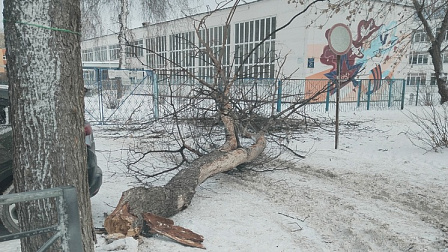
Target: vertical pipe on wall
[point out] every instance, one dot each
(359, 93)
(416, 96)
(99, 77)
(368, 95)
(327, 99)
(279, 96)
(155, 98)
(391, 82)
(403, 94)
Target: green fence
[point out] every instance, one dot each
(134, 96)
(158, 95)
(354, 95)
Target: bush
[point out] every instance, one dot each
(110, 99)
(433, 124)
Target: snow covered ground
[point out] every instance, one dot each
(376, 192)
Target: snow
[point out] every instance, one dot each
(376, 192)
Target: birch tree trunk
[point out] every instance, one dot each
(123, 21)
(47, 105)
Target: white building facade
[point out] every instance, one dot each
(383, 46)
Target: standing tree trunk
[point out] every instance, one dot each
(123, 20)
(47, 105)
(436, 48)
(436, 57)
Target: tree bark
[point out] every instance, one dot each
(166, 227)
(177, 194)
(436, 47)
(47, 105)
(436, 57)
(123, 21)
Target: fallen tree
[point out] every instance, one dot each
(177, 194)
(238, 117)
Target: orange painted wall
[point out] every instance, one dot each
(3, 60)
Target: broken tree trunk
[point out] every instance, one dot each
(166, 227)
(124, 222)
(177, 194)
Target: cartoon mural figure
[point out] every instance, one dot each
(365, 48)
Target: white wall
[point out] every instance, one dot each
(304, 38)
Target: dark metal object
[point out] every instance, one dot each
(68, 228)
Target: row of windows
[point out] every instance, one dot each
(250, 54)
(256, 30)
(423, 58)
(186, 50)
(420, 35)
(135, 49)
(420, 79)
(218, 39)
(114, 52)
(215, 36)
(183, 51)
(100, 53)
(256, 57)
(87, 55)
(156, 56)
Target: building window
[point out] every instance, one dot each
(218, 39)
(114, 52)
(416, 79)
(182, 54)
(259, 62)
(100, 53)
(445, 58)
(84, 55)
(87, 55)
(156, 56)
(88, 75)
(420, 36)
(135, 49)
(445, 36)
(418, 58)
(433, 78)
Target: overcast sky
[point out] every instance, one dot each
(197, 6)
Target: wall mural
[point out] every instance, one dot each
(370, 54)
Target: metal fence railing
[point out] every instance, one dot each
(162, 95)
(68, 228)
(422, 94)
(354, 95)
(132, 96)
(118, 96)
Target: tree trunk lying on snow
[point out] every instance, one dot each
(177, 194)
